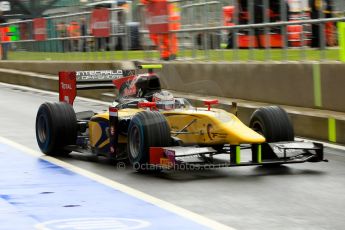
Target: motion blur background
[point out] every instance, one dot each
(214, 30)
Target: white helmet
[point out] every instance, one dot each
(164, 100)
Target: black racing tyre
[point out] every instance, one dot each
(56, 127)
(146, 129)
(274, 124)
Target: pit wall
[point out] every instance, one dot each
(310, 84)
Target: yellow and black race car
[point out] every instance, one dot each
(153, 129)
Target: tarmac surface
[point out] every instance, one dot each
(301, 196)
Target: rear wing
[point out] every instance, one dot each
(72, 81)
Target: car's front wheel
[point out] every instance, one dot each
(274, 124)
(147, 129)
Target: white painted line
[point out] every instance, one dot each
(326, 144)
(121, 187)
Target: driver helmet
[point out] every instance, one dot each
(164, 100)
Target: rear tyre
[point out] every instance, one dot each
(147, 129)
(274, 124)
(56, 127)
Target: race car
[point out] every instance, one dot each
(155, 130)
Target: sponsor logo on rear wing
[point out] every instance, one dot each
(109, 75)
(102, 75)
(71, 81)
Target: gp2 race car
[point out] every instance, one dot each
(154, 130)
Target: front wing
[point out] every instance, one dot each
(179, 157)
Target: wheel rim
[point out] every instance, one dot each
(135, 142)
(42, 129)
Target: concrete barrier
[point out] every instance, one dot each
(310, 85)
(273, 83)
(35, 80)
(332, 86)
(306, 84)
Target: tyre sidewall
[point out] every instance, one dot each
(140, 158)
(48, 144)
(154, 132)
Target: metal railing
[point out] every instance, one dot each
(82, 47)
(234, 29)
(202, 37)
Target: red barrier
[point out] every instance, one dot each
(100, 24)
(157, 18)
(40, 29)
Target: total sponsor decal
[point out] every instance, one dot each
(66, 86)
(98, 75)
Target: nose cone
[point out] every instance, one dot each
(245, 134)
(239, 133)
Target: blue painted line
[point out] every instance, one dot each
(34, 191)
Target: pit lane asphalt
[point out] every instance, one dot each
(301, 196)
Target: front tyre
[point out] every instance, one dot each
(274, 124)
(56, 127)
(147, 129)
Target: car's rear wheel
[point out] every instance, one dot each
(56, 127)
(147, 129)
(274, 124)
